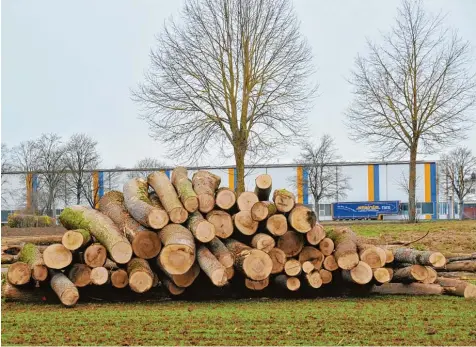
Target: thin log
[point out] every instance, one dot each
(31, 255)
(75, 239)
(345, 242)
(244, 223)
(57, 256)
(326, 276)
(225, 198)
(407, 289)
(458, 274)
(292, 267)
(284, 200)
(263, 186)
(178, 251)
(230, 272)
(222, 222)
(99, 276)
(246, 200)
(410, 274)
(263, 242)
(171, 287)
(326, 246)
(277, 225)
(64, 289)
(468, 266)
(184, 188)
(291, 243)
(253, 263)
(382, 275)
(256, 285)
(288, 283)
(313, 255)
(141, 277)
(374, 256)
(301, 218)
(308, 267)
(314, 279)
(278, 257)
(211, 266)
(457, 287)
(330, 263)
(95, 255)
(203, 230)
(219, 250)
(315, 235)
(262, 210)
(80, 275)
(119, 278)
(168, 197)
(360, 274)
(205, 185)
(413, 256)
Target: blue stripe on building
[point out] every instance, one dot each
(167, 172)
(100, 184)
(433, 189)
(376, 182)
(34, 182)
(305, 186)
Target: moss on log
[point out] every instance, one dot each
(184, 188)
(301, 218)
(31, 255)
(345, 242)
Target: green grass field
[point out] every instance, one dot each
(330, 321)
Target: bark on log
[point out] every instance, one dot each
(313, 255)
(468, 266)
(374, 256)
(57, 256)
(230, 272)
(263, 242)
(389, 256)
(287, 283)
(432, 275)
(326, 246)
(80, 275)
(244, 223)
(412, 256)
(171, 287)
(278, 257)
(75, 239)
(205, 185)
(246, 200)
(262, 210)
(102, 228)
(291, 243)
(345, 242)
(410, 274)
(263, 186)
(185, 280)
(141, 277)
(168, 197)
(99, 276)
(138, 204)
(462, 275)
(219, 250)
(382, 275)
(292, 267)
(184, 188)
(145, 243)
(19, 273)
(203, 230)
(330, 263)
(225, 198)
(314, 279)
(222, 222)
(64, 289)
(360, 274)
(256, 285)
(178, 251)
(407, 289)
(301, 218)
(315, 235)
(27, 294)
(95, 255)
(30, 254)
(326, 276)
(211, 266)
(277, 225)
(284, 200)
(253, 263)
(457, 287)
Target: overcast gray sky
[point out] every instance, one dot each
(68, 66)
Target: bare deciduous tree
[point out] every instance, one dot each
(6, 166)
(459, 167)
(325, 178)
(234, 76)
(414, 91)
(146, 163)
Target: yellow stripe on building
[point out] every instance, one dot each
(370, 182)
(29, 189)
(299, 184)
(231, 178)
(427, 186)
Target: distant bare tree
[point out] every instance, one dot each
(233, 76)
(146, 163)
(413, 92)
(459, 167)
(6, 166)
(81, 156)
(325, 178)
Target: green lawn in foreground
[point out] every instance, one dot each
(344, 321)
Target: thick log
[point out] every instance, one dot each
(382, 275)
(277, 225)
(410, 274)
(412, 256)
(360, 274)
(284, 200)
(205, 185)
(314, 279)
(230, 272)
(57, 256)
(262, 210)
(80, 275)
(246, 200)
(145, 243)
(178, 251)
(171, 287)
(64, 289)
(211, 266)
(278, 257)
(75, 239)
(99, 276)
(287, 283)
(253, 263)
(222, 222)
(184, 188)
(256, 285)
(374, 256)
(301, 218)
(95, 255)
(457, 287)
(315, 235)
(292, 267)
(31, 255)
(312, 255)
(138, 204)
(225, 198)
(168, 197)
(291, 243)
(203, 230)
(141, 277)
(101, 227)
(244, 223)
(345, 242)
(326, 276)
(432, 275)
(263, 186)
(219, 250)
(263, 242)
(326, 246)
(19, 273)
(407, 289)
(468, 266)
(330, 263)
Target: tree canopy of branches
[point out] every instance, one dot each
(325, 178)
(459, 167)
(146, 163)
(6, 166)
(234, 76)
(413, 92)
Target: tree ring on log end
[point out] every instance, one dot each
(121, 252)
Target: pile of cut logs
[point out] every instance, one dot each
(189, 238)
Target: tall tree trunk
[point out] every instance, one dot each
(461, 209)
(240, 170)
(316, 208)
(78, 193)
(412, 184)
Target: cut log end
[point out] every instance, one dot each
(57, 256)
(80, 275)
(244, 223)
(382, 275)
(263, 242)
(99, 276)
(438, 260)
(72, 240)
(330, 263)
(277, 225)
(256, 285)
(39, 272)
(292, 267)
(315, 235)
(284, 200)
(206, 203)
(246, 200)
(178, 215)
(360, 274)
(225, 199)
(157, 218)
(95, 255)
(121, 252)
(18, 273)
(348, 261)
(259, 211)
(257, 265)
(326, 276)
(146, 244)
(314, 279)
(278, 257)
(177, 259)
(302, 219)
(326, 246)
(140, 282)
(222, 222)
(191, 204)
(308, 267)
(69, 297)
(119, 278)
(205, 231)
(293, 284)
